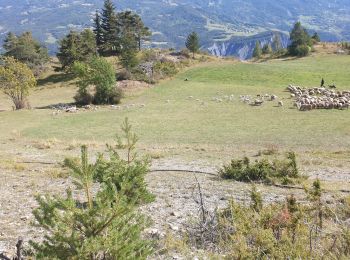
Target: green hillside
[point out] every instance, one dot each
(179, 113)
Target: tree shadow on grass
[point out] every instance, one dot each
(55, 78)
(55, 106)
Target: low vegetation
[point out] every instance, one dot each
(276, 230)
(282, 171)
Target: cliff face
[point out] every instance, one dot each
(243, 47)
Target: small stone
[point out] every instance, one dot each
(173, 227)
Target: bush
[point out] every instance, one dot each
(149, 55)
(285, 171)
(124, 74)
(115, 96)
(165, 69)
(99, 74)
(185, 53)
(83, 99)
(302, 50)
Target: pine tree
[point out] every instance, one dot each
(300, 41)
(26, 49)
(276, 43)
(192, 43)
(256, 201)
(129, 48)
(132, 24)
(109, 28)
(10, 44)
(98, 31)
(267, 49)
(68, 49)
(316, 38)
(106, 225)
(87, 45)
(77, 47)
(257, 50)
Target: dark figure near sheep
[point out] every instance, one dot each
(332, 86)
(322, 82)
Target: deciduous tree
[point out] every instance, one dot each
(16, 81)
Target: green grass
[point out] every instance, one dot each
(186, 123)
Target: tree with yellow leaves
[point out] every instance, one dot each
(16, 81)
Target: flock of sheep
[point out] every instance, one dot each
(305, 99)
(319, 98)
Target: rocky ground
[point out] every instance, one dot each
(30, 169)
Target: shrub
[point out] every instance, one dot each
(165, 69)
(285, 171)
(302, 50)
(84, 97)
(185, 53)
(149, 55)
(124, 74)
(99, 74)
(115, 96)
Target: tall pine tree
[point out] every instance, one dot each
(109, 28)
(300, 41)
(98, 31)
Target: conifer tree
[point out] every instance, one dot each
(109, 26)
(257, 50)
(98, 31)
(192, 43)
(26, 49)
(10, 44)
(316, 38)
(276, 43)
(131, 23)
(77, 47)
(105, 224)
(68, 49)
(300, 41)
(267, 49)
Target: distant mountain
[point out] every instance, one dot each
(242, 47)
(220, 23)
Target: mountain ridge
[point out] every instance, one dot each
(219, 22)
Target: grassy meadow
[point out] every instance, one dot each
(172, 120)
